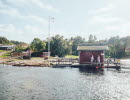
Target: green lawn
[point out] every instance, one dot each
(71, 56)
(2, 50)
(7, 54)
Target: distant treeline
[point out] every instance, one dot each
(5, 41)
(60, 46)
(118, 46)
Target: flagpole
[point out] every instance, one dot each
(49, 28)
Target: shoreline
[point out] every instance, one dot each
(35, 62)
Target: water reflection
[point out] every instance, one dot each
(27, 83)
(91, 71)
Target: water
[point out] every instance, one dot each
(31, 83)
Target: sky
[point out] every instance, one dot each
(24, 20)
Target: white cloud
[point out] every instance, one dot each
(120, 28)
(32, 30)
(45, 6)
(36, 18)
(103, 16)
(105, 19)
(13, 12)
(102, 10)
(27, 33)
(17, 2)
(33, 4)
(110, 26)
(7, 28)
(2, 5)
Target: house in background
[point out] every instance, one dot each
(91, 53)
(24, 54)
(24, 45)
(7, 47)
(127, 50)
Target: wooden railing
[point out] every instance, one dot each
(63, 60)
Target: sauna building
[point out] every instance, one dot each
(92, 53)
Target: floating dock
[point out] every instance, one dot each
(84, 66)
(60, 63)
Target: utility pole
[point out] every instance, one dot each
(49, 28)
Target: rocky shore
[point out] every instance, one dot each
(34, 62)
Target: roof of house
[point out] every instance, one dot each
(127, 49)
(92, 48)
(94, 44)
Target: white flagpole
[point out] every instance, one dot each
(49, 28)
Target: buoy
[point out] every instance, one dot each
(103, 66)
(96, 67)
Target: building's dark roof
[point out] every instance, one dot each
(92, 48)
(7, 45)
(94, 44)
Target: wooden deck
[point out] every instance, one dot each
(69, 62)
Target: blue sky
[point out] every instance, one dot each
(24, 20)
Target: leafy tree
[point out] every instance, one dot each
(38, 45)
(18, 49)
(113, 40)
(4, 40)
(92, 38)
(95, 38)
(113, 44)
(59, 46)
(118, 46)
(16, 42)
(77, 41)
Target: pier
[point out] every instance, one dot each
(71, 62)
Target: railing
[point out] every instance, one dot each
(64, 60)
(111, 61)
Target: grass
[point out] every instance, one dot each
(3, 50)
(71, 56)
(7, 54)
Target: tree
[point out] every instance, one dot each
(59, 46)
(113, 40)
(17, 42)
(90, 40)
(95, 38)
(77, 41)
(118, 45)
(37, 45)
(18, 49)
(4, 40)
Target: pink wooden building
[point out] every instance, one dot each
(91, 54)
